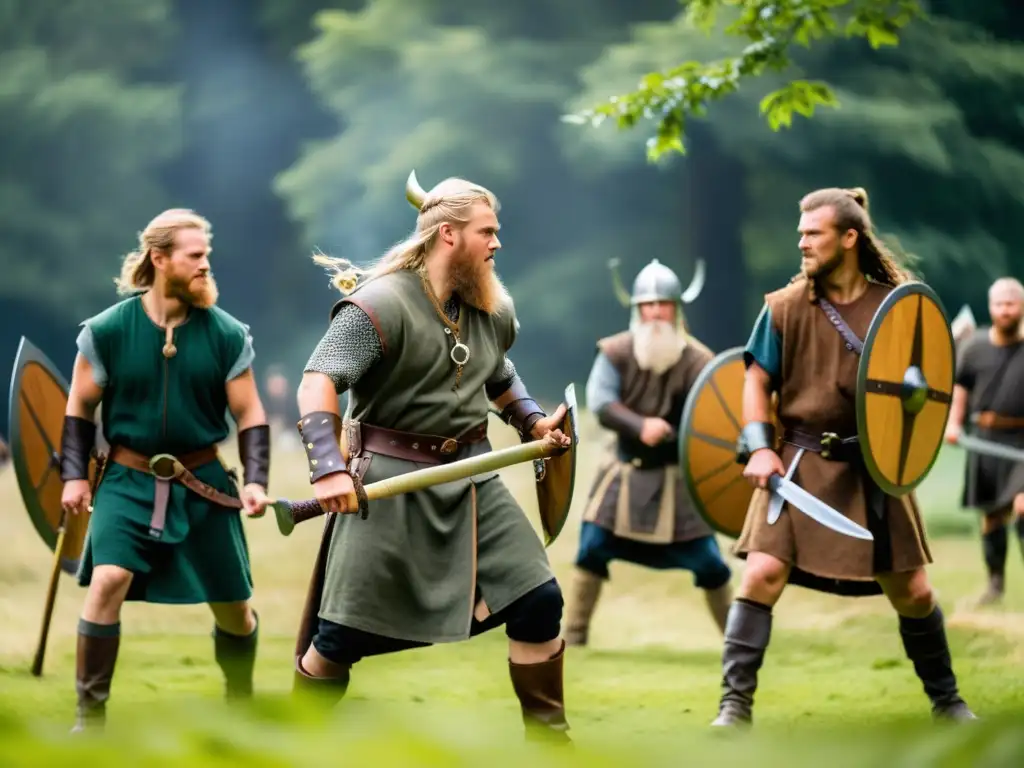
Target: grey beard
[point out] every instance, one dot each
(657, 346)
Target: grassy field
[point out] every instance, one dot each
(835, 687)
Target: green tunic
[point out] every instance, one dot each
(414, 568)
(152, 404)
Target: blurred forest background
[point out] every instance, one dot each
(292, 125)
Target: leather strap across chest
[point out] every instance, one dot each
(168, 469)
(853, 342)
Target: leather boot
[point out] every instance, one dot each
(96, 654)
(747, 632)
(924, 640)
(718, 601)
(539, 689)
(324, 691)
(994, 547)
(236, 656)
(586, 589)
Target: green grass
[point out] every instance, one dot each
(836, 689)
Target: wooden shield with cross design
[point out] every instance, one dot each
(709, 429)
(905, 387)
(39, 398)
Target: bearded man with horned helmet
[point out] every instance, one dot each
(167, 365)
(806, 348)
(639, 509)
(422, 347)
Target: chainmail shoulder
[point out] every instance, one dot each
(351, 346)
(348, 349)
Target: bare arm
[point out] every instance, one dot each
(757, 395)
(957, 413)
(244, 401)
(317, 393)
(84, 394)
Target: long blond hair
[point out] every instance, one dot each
(137, 270)
(449, 202)
(876, 261)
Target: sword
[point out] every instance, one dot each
(775, 505)
(816, 509)
(990, 448)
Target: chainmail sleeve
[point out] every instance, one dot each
(348, 349)
(502, 378)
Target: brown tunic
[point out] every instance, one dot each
(817, 394)
(639, 493)
(992, 376)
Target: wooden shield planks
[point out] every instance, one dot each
(38, 400)
(905, 387)
(557, 476)
(710, 427)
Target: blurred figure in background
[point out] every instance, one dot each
(5, 454)
(639, 508)
(281, 413)
(989, 394)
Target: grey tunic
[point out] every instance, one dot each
(423, 563)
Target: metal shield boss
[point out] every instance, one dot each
(709, 430)
(556, 476)
(38, 400)
(905, 387)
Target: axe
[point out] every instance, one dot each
(291, 513)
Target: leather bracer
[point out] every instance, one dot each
(254, 451)
(755, 436)
(77, 440)
(618, 418)
(321, 432)
(523, 412)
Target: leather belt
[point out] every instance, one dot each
(828, 444)
(425, 449)
(168, 469)
(993, 420)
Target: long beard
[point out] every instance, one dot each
(657, 346)
(476, 283)
(201, 294)
(1008, 331)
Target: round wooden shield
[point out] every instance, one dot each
(905, 387)
(556, 476)
(709, 429)
(39, 397)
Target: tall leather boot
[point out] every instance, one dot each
(96, 657)
(586, 589)
(719, 600)
(747, 631)
(994, 546)
(236, 656)
(324, 691)
(924, 640)
(540, 693)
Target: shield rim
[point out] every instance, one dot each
(571, 419)
(896, 294)
(686, 422)
(29, 353)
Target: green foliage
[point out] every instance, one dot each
(83, 136)
(672, 96)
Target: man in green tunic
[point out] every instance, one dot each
(421, 346)
(166, 365)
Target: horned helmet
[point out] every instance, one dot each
(657, 282)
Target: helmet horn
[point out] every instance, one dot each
(620, 289)
(696, 285)
(414, 193)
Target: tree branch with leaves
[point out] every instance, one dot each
(672, 96)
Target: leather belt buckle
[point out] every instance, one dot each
(828, 439)
(165, 467)
(449, 446)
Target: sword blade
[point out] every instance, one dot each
(775, 505)
(989, 448)
(816, 509)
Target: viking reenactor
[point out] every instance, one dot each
(421, 346)
(167, 365)
(989, 396)
(861, 361)
(639, 509)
